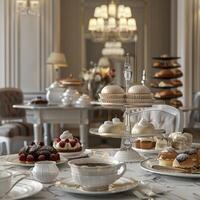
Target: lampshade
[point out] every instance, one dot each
(57, 60)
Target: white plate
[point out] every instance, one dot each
(13, 159)
(147, 151)
(121, 185)
(148, 163)
(68, 155)
(156, 132)
(94, 131)
(24, 189)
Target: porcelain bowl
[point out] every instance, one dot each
(97, 177)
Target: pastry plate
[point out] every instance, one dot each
(148, 164)
(13, 159)
(156, 132)
(69, 155)
(24, 189)
(94, 131)
(121, 185)
(147, 151)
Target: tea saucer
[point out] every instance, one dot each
(24, 189)
(121, 185)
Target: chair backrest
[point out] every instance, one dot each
(9, 97)
(161, 116)
(195, 114)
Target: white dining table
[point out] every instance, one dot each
(45, 115)
(175, 188)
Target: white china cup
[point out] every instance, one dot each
(96, 178)
(5, 182)
(45, 171)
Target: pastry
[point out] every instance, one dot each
(33, 153)
(139, 94)
(183, 161)
(166, 157)
(38, 100)
(161, 143)
(112, 94)
(165, 84)
(192, 153)
(164, 94)
(176, 103)
(180, 141)
(165, 73)
(67, 143)
(143, 127)
(147, 143)
(176, 83)
(177, 93)
(114, 126)
(136, 143)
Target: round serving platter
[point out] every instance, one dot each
(148, 165)
(13, 160)
(94, 131)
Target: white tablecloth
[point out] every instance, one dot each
(178, 188)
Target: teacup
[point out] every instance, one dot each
(5, 182)
(45, 171)
(95, 174)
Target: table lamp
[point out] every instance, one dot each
(57, 60)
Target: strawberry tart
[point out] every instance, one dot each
(67, 143)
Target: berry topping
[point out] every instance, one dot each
(67, 140)
(30, 158)
(58, 139)
(41, 157)
(53, 157)
(73, 143)
(57, 156)
(62, 144)
(22, 157)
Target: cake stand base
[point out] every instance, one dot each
(128, 155)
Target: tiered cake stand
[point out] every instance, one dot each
(170, 91)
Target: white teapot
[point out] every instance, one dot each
(54, 93)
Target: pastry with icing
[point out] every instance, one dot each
(183, 161)
(143, 127)
(114, 126)
(166, 157)
(161, 143)
(67, 143)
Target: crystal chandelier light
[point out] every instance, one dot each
(27, 7)
(113, 22)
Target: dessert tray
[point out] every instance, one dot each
(147, 151)
(121, 185)
(24, 189)
(94, 131)
(156, 132)
(151, 165)
(13, 159)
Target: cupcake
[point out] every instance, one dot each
(166, 157)
(67, 143)
(143, 127)
(139, 94)
(183, 161)
(147, 143)
(112, 94)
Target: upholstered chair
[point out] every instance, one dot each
(14, 129)
(161, 116)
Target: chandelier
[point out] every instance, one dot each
(27, 7)
(113, 23)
